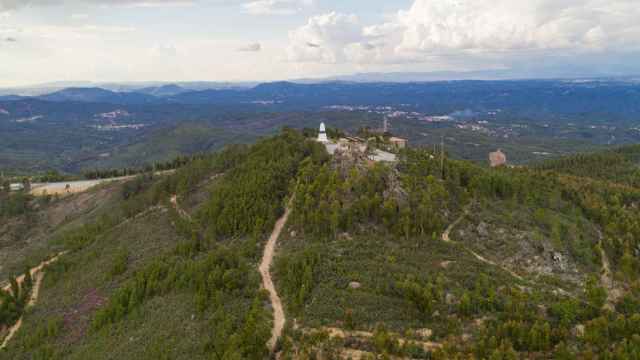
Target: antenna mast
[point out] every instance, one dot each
(442, 156)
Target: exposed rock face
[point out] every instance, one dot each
(450, 299)
(520, 250)
(560, 261)
(425, 334)
(483, 229)
(355, 285)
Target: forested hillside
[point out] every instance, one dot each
(139, 280)
(368, 268)
(621, 165)
(417, 259)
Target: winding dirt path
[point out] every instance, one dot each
(37, 275)
(267, 282)
(446, 238)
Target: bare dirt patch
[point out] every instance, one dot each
(77, 320)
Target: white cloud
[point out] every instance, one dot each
(276, 7)
(324, 38)
(79, 16)
(8, 5)
(255, 47)
(164, 50)
(473, 28)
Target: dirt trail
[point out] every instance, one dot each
(37, 275)
(267, 282)
(606, 277)
(446, 238)
(34, 270)
(340, 333)
(181, 212)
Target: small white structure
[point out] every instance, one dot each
(382, 156)
(322, 136)
(16, 187)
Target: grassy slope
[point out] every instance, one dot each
(76, 286)
(164, 144)
(24, 240)
(165, 326)
(200, 293)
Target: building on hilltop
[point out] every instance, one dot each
(497, 158)
(322, 135)
(398, 143)
(355, 148)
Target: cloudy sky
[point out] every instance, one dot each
(256, 40)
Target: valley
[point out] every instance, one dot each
(93, 128)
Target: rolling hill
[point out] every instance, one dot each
(405, 260)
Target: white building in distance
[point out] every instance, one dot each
(322, 136)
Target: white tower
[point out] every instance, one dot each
(322, 136)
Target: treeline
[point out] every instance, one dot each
(297, 273)
(14, 204)
(332, 133)
(158, 166)
(329, 202)
(410, 200)
(217, 280)
(148, 189)
(249, 197)
(221, 276)
(616, 209)
(621, 165)
(14, 301)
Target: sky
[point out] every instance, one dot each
(265, 40)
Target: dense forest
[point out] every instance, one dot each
(621, 165)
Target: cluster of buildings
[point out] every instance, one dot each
(356, 145)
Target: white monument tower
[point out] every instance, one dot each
(322, 136)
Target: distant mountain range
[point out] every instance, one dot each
(94, 126)
(98, 95)
(596, 99)
(162, 88)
